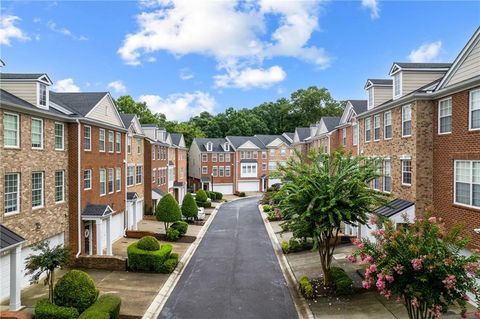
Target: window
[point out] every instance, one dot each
(37, 133)
(171, 174)
(111, 173)
(59, 136)
(160, 152)
(103, 189)
(154, 175)
(130, 174)
(264, 155)
(209, 146)
(221, 171)
(87, 179)
(445, 116)
(272, 152)
(87, 138)
(139, 174)
(12, 193)
(221, 157)
(129, 146)
(255, 155)
(227, 157)
(355, 134)
(59, 186)
(249, 170)
(344, 136)
(204, 158)
(406, 120)
(37, 189)
(283, 152)
(139, 145)
(387, 125)
(214, 171)
(387, 176)
(214, 157)
(397, 85)
(182, 173)
(264, 166)
(159, 175)
(43, 95)
(153, 152)
(118, 141)
(11, 132)
(376, 127)
(467, 183)
(110, 142)
(370, 98)
(272, 165)
(227, 171)
(118, 179)
(368, 129)
(376, 180)
(204, 170)
(406, 171)
(227, 147)
(474, 109)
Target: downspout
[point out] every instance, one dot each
(79, 199)
(125, 163)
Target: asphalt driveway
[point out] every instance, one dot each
(234, 272)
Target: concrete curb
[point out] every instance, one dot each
(301, 304)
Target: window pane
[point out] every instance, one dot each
(59, 180)
(462, 193)
(58, 136)
(37, 189)
(36, 133)
(10, 129)
(11, 192)
(475, 100)
(446, 124)
(476, 119)
(476, 195)
(462, 173)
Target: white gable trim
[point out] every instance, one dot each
(347, 113)
(248, 145)
(110, 99)
(59, 108)
(137, 127)
(45, 79)
(322, 129)
(275, 143)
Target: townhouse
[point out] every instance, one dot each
(180, 183)
(347, 130)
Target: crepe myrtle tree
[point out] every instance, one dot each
(322, 191)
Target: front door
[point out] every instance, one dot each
(206, 186)
(87, 238)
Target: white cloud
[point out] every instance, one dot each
(9, 31)
(180, 106)
(53, 26)
(248, 77)
(66, 85)
(117, 86)
(427, 52)
(373, 6)
(186, 74)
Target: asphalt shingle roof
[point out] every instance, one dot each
(131, 195)
(359, 106)
(238, 141)
(7, 97)
(331, 122)
(176, 138)
(290, 135)
(21, 76)
(267, 139)
(413, 65)
(158, 191)
(96, 210)
(78, 102)
(9, 238)
(127, 119)
(394, 207)
(303, 132)
(217, 144)
(381, 81)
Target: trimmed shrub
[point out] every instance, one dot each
(44, 309)
(107, 306)
(306, 287)
(285, 247)
(204, 204)
(75, 289)
(343, 283)
(267, 208)
(242, 194)
(169, 266)
(172, 234)
(218, 195)
(148, 243)
(181, 226)
(145, 260)
(211, 195)
(294, 245)
(201, 196)
(168, 210)
(189, 207)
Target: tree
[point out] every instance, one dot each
(189, 206)
(167, 211)
(127, 105)
(45, 262)
(322, 193)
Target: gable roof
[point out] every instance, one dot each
(267, 139)
(176, 138)
(127, 119)
(80, 103)
(330, 122)
(302, 133)
(94, 210)
(238, 141)
(289, 136)
(217, 144)
(26, 76)
(396, 66)
(8, 98)
(9, 238)
(359, 106)
(378, 82)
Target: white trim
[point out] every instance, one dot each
(400, 78)
(19, 177)
(402, 161)
(376, 116)
(470, 109)
(42, 190)
(47, 95)
(403, 108)
(439, 117)
(365, 129)
(41, 133)
(384, 176)
(470, 183)
(83, 179)
(384, 126)
(90, 137)
(100, 181)
(63, 187)
(99, 140)
(355, 128)
(111, 170)
(371, 93)
(18, 130)
(118, 143)
(113, 141)
(55, 136)
(118, 169)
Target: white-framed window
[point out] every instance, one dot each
(387, 125)
(368, 129)
(101, 140)
(111, 177)
(474, 110)
(272, 152)
(139, 145)
(215, 171)
(264, 166)
(227, 171)
(221, 157)
(355, 134)
(37, 189)
(87, 138)
(214, 157)
(406, 171)
(37, 133)
(118, 141)
(171, 174)
(376, 127)
(227, 157)
(249, 170)
(467, 183)
(376, 180)
(204, 170)
(11, 201)
(103, 186)
(111, 143)
(209, 146)
(221, 171)
(160, 152)
(227, 147)
(272, 165)
(153, 152)
(283, 152)
(129, 146)
(42, 94)
(370, 98)
(264, 155)
(139, 174)
(87, 179)
(255, 155)
(59, 186)
(406, 120)
(154, 175)
(59, 136)
(11, 130)
(204, 158)
(445, 116)
(387, 176)
(397, 85)
(344, 136)
(130, 175)
(182, 173)
(118, 179)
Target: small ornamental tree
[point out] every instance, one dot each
(189, 207)
(168, 211)
(422, 264)
(45, 262)
(201, 196)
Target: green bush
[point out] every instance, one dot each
(204, 204)
(148, 243)
(306, 287)
(170, 264)
(343, 283)
(218, 195)
(285, 227)
(211, 195)
(181, 226)
(107, 304)
(168, 210)
(201, 196)
(44, 309)
(75, 289)
(242, 194)
(172, 234)
(189, 207)
(294, 245)
(145, 260)
(285, 247)
(267, 208)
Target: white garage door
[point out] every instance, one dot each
(272, 181)
(250, 186)
(226, 189)
(139, 211)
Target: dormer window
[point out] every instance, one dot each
(42, 95)
(397, 85)
(209, 146)
(227, 147)
(370, 98)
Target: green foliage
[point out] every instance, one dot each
(267, 208)
(127, 105)
(107, 306)
(205, 204)
(172, 234)
(210, 195)
(181, 226)
(305, 287)
(218, 195)
(189, 207)
(241, 194)
(201, 196)
(148, 243)
(168, 210)
(285, 247)
(44, 309)
(145, 260)
(294, 245)
(75, 289)
(169, 265)
(343, 283)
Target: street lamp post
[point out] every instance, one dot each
(212, 181)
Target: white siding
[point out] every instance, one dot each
(412, 81)
(469, 67)
(24, 90)
(105, 111)
(382, 94)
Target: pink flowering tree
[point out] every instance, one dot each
(422, 265)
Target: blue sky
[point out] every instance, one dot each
(182, 57)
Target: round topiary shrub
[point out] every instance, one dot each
(172, 234)
(181, 226)
(189, 207)
(168, 210)
(201, 196)
(148, 243)
(75, 289)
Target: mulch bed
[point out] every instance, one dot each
(183, 239)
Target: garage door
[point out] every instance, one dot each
(139, 210)
(224, 189)
(272, 181)
(251, 186)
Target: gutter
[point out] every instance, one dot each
(79, 201)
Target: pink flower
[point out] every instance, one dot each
(373, 219)
(450, 282)
(398, 269)
(466, 297)
(366, 284)
(372, 268)
(352, 259)
(477, 314)
(380, 284)
(389, 278)
(417, 263)
(369, 259)
(472, 267)
(432, 219)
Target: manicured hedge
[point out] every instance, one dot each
(201, 196)
(218, 195)
(306, 287)
(145, 260)
(107, 306)
(172, 234)
(44, 309)
(75, 289)
(148, 243)
(189, 207)
(204, 204)
(168, 210)
(181, 226)
(170, 264)
(343, 283)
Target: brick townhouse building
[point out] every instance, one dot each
(347, 132)
(180, 183)
(278, 151)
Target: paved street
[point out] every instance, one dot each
(234, 272)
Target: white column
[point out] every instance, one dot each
(134, 226)
(109, 237)
(15, 278)
(98, 224)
